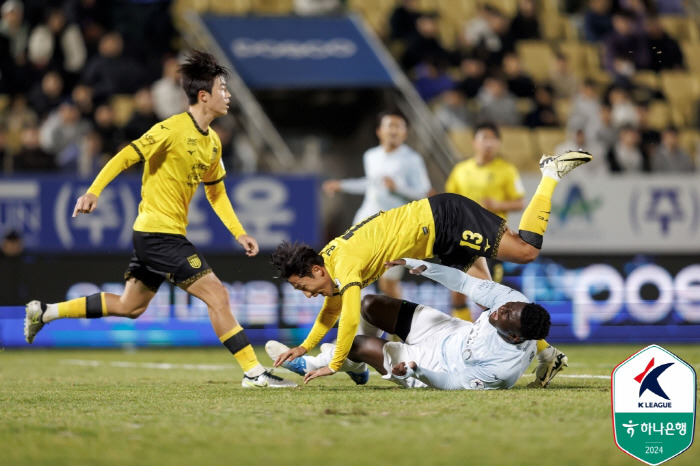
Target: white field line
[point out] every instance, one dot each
(227, 367)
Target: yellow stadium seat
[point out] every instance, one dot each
(647, 78)
(463, 139)
(689, 141)
(548, 139)
(517, 147)
(691, 56)
(570, 29)
(659, 115)
(593, 54)
(551, 25)
(448, 33)
(679, 86)
(524, 105)
(4, 101)
(536, 57)
(680, 28)
(272, 7)
(576, 53)
(563, 108)
(200, 6)
(229, 7)
(507, 7)
(123, 107)
(428, 5)
(460, 11)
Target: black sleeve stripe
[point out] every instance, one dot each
(138, 151)
(348, 286)
(209, 183)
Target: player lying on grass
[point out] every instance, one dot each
(440, 351)
(452, 227)
(178, 154)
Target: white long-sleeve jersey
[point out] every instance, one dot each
(476, 358)
(403, 165)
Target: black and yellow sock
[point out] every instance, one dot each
(463, 313)
(91, 307)
(238, 344)
(534, 221)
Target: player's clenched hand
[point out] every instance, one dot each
(249, 244)
(399, 369)
(290, 355)
(318, 373)
(331, 187)
(85, 204)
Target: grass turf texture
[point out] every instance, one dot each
(52, 412)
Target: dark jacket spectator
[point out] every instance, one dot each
(519, 83)
(492, 49)
(474, 71)
(110, 72)
(597, 23)
(425, 46)
(524, 25)
(663, 50)
(543, 113)
(32, 156)
(58, 45)
(669, 157)
(46, 96)
(625, 43)
(112, 137)
(403, 20)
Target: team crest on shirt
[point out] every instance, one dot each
(476, 384)
(194, 261)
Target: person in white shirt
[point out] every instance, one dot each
(444, 352)
(395, 175)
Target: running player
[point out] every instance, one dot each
(395, 174)
(440, 351)
(452, 227)
(178, 154)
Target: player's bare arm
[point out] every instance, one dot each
(86, 204)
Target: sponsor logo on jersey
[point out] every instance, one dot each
(476, 384)
(192, 141)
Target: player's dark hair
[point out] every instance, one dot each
(294, 259)
(487, 125)
(534, 322)
(199, 72)
(391, 112)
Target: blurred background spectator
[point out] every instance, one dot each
(497, 103)
(669, 156)
(168, 96)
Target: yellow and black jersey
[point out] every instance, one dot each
(498, 180)
(177, 155)
(356, 259)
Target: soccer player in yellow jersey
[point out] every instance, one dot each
(491, 182)
(178, 154)
(456, 229)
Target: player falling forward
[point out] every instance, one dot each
(454, 228)
(178, 154)
(441, 351)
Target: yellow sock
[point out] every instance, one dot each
(463, 313)
(533, 223)
(74, 309)
(238, 344)
(542, 345)
(92, 307)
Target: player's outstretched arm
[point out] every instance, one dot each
(439, 380)
(124, 159)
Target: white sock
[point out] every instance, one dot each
(365, 328)
(325, 357)
(546, 354)
(51, 313)
(254, 372)
(551, 174)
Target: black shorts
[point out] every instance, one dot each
(158, 256)
(464, 230)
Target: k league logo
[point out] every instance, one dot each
(653, 405)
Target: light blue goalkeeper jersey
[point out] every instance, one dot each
(479, 359)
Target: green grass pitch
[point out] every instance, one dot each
(187, 407)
